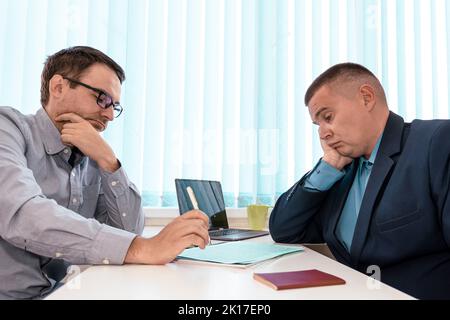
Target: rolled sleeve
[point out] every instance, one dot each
(323, 177)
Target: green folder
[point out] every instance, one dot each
(238, 253)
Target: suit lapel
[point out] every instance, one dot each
(377, 177)
(390, 145)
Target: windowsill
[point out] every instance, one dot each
(237, 217)
(174, 212)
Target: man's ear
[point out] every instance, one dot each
(56, 86)
(368, 96)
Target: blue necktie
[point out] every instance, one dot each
(350, 212)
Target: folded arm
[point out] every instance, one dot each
(294, 218)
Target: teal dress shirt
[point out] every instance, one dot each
(325, 176)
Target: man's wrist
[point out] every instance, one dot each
(109, 165)
(332, 162)
(134, 251)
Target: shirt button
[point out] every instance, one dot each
(66, 151)
(105, 261)
(58, 254)
(74, 200)
(124, 214)
(114, 183)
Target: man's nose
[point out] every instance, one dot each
(324, 133)
(108, 113)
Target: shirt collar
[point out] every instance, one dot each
(373, 155)
(51, 136)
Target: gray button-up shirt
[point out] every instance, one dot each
(49, 209)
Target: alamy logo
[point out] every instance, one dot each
(374, 280)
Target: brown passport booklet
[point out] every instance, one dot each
(297, 279)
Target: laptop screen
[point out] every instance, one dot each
(209, 198)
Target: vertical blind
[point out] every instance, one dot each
(215, 88)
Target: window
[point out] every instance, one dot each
(215, 89)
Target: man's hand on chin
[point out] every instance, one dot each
(84, 135)
(333, 157)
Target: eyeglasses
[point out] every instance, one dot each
(104, 100)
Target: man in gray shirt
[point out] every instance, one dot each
(64, 197)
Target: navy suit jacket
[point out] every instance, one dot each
(404, 222)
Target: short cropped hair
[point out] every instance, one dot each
(342, 73)
(72, 62)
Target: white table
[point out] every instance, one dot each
(192, 280)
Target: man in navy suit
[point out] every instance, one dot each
(380, 194)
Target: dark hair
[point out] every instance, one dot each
(342, 72)
(72, 62)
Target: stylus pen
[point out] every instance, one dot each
(194, 201)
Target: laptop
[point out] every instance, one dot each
(209, 197)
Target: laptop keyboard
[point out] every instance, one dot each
(224, 232)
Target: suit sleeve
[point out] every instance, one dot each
(294, 218)
(439, 170)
